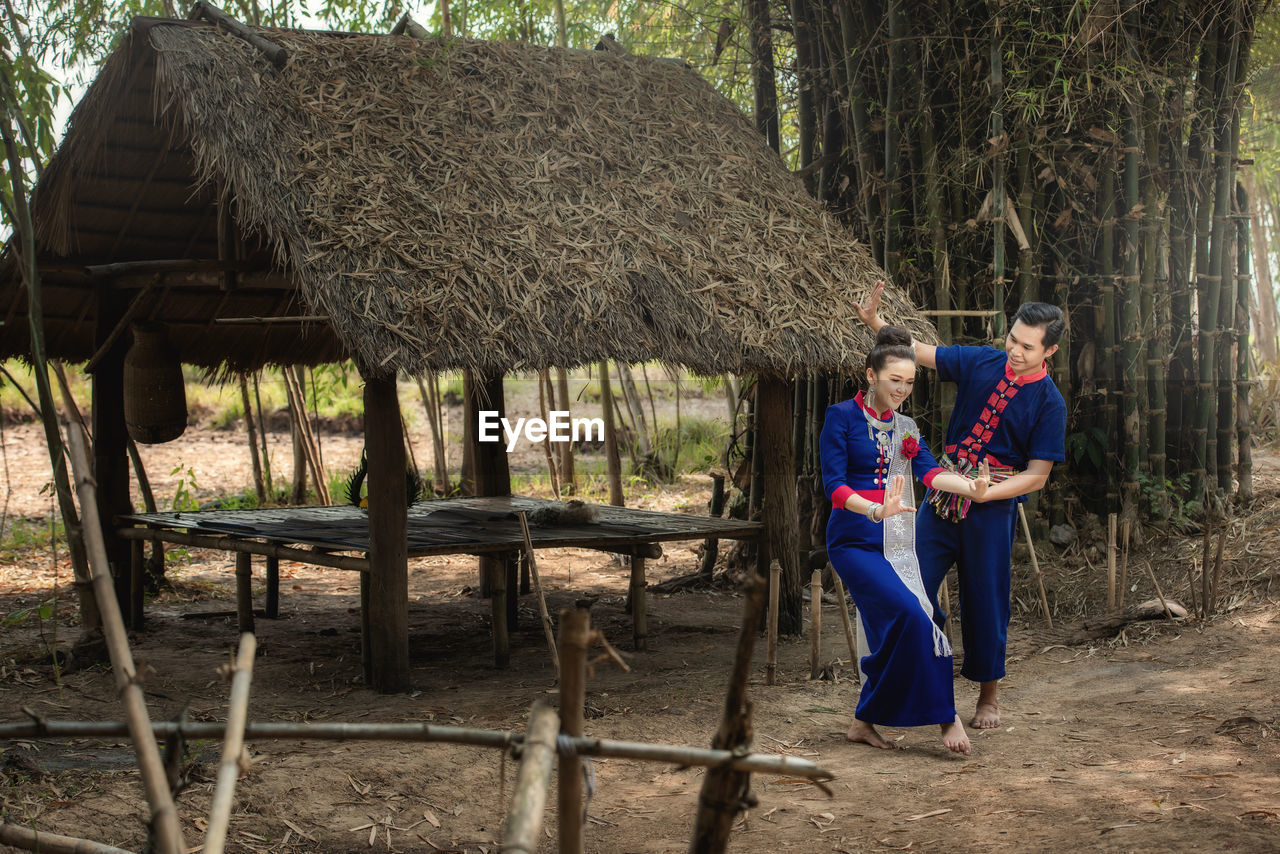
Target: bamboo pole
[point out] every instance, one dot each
(815, 624)
(532, 562)
(164, 816)
(544, 386)
(725, 791)
(575, 630)
(1217, 570)
(1126, 531)
(639, 605)
(435, 421)
(529, 800)
(1035, 567)
(1244, 289)
(1159, 593)
(844, 619)
(1205, 581)
(1111, 562)
(310, 442)
(764, 763)
(51, 843)
(258, 484)
(771, 655)
(616, 497)
(233, 758)
(568, 478)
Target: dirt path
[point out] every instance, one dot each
(1168, 743)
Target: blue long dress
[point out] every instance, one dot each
(905, 659)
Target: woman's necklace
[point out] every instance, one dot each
(880, 432)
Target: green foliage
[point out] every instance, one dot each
(1089, 444)
(184, 496)
(21, 537)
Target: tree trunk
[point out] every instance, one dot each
(1130, 313)
(613, 463)
(297, 417)
(763, 77)
(1244, 440)
(780, 515)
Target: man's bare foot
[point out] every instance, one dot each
(865, 733)
(954, 737)
(986, 716)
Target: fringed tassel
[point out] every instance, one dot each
(941, 646)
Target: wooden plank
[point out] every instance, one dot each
(235, 544)
(388, 544)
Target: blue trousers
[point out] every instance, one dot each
(980, 546)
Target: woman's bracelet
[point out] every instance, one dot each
(872, 512)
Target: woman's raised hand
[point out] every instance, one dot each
(978, 486)
(870, 308)
(893, 500)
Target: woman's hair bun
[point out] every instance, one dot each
(893, 336)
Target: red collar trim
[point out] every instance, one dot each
(879, 416)
(1030, 378)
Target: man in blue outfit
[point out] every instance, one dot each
(1009, 413)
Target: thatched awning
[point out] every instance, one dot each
(445, 203)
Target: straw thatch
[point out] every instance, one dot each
(450, 203)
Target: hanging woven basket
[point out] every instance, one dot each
(155, 396)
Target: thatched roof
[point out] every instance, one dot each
(445, 203)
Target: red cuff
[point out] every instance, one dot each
(840, 496)
(927, 480)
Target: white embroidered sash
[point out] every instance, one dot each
(900, 540)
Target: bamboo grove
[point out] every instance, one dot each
(1083, 154)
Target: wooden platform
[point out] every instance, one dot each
(326, 536)
(450, 526)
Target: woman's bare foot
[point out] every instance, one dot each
(865, 733)
(954, 737)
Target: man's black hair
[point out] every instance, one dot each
(1046, 316)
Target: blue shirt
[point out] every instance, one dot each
(1010, 420)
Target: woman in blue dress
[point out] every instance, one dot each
(869, 449)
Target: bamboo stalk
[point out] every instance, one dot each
(815, 624)
(274, 53)
(163, 814)
(231, 544)
(311, 446)
(616, 497)
(724, 790)
(1111, 562)
(232, 748)
(844, 619)
(435, 421)
(529, 800)
(1126, 531)
(1035, 567)
(51, 843)
(1159, 593)
(575, 631)
(1217, 570)
(544, 385)
(258, 484)
(568, 479)
(771, 656)
(1205, 580)
(532, 563)
(422, 733)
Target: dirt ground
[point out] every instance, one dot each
(1164, 738)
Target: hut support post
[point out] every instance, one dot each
(492, 477)
(272, 609)
(388, 538)
(639, 608)
(244, 591)
(110, 446)
(780, 514)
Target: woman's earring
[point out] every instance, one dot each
(871, 396)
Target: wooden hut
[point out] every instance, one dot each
(420, 204)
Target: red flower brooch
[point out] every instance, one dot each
(910, 447)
